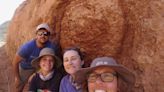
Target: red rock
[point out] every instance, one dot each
(130, 30)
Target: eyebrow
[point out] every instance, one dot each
(71, 57)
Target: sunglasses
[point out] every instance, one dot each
(43, 33)
(105, 77)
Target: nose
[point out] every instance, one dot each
(70, 62)
(48, 61)
(42, 35)
(98, 80)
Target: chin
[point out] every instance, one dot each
(100, 91)
(71, 72)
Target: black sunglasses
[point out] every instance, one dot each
(43, 33)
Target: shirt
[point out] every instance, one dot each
(66, 85)
(29, 51)
(37, 84)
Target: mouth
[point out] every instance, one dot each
(100, 90)
(70, 67)
(43, 38)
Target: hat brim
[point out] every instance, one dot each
(123, 73)
(35, 62)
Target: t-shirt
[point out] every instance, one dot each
(66, 85)
(29, 51)
(38, 85)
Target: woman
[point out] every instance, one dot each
(104, 75)
(47, 79)
(73, 60)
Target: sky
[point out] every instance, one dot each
(7, 9)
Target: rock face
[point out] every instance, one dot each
(129, 30)
(6, 79)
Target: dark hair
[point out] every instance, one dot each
(81, 54)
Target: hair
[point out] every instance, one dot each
(85, 86)
(81, 54)
(123, 86)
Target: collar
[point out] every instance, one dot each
(75, 84)
(47, 77)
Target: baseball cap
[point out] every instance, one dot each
(44, 26)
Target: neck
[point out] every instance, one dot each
(45, 73)
(40, 45)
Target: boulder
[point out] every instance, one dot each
(129, 30)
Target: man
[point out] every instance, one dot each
(30, 50)
(105, 75)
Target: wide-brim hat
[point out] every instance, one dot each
(45, 52)
(122, 72)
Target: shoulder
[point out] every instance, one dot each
(33, 80)
(31, 42)
(26, 48)
(57, 76)
(28, 45)
(65, 79)
(52, 45)
(34, 76)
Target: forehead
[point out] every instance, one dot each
(104, 69)
(70, 53)
(47, 56)
(42, 30)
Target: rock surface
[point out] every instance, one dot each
(129, 30)
(6, 73)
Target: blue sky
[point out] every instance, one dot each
(7, 9)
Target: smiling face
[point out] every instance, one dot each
(46, 64)
(42, 36)
(99, 86)
(72, 61)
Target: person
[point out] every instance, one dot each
(103, 75)
(73, 60)
(29, 51)
(47, 79)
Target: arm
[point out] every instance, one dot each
(15, 63)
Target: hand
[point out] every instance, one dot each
(19, 85)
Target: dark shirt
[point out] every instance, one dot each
(52, 84)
